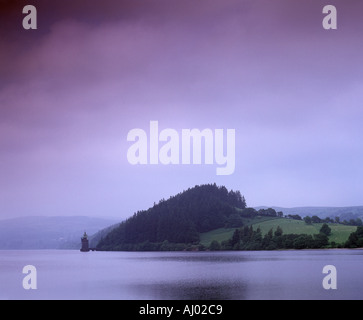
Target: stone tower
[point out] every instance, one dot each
(85, 243)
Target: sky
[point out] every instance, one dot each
(71, 90)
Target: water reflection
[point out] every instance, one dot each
(206, 257)
(182, 275)
(192, 290)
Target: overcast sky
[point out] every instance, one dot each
(71, 90)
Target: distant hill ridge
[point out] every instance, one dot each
(43, 232)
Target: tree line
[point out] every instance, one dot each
(270, 212)
(355, 239)
(247, 238)
(316, 219)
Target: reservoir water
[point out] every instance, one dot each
(70, 274)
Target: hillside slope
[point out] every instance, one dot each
(180, 219)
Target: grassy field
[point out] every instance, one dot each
(340, 233)
(220, 235)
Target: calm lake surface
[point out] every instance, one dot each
(63, 274)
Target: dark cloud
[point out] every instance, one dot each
(71, 90)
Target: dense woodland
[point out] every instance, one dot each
(178, 220)
(175, 224)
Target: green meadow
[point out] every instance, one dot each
(339, 234)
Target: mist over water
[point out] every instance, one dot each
(181, 275)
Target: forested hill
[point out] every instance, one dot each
(179, 219)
